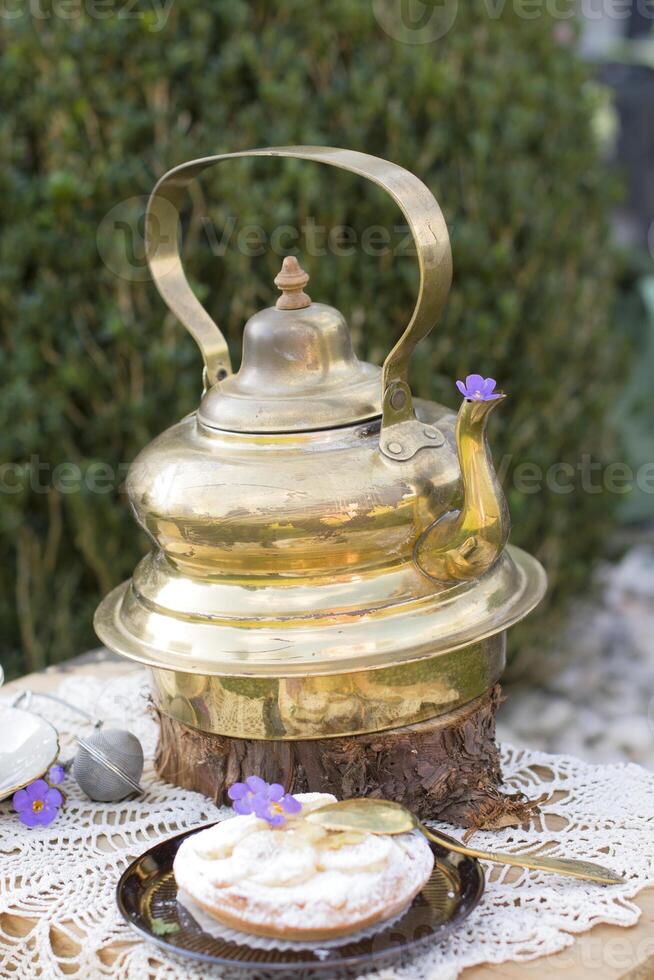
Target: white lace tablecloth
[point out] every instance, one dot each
(62, 878)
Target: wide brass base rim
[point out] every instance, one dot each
(319, 706)
(364, 639)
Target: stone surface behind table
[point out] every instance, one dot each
(599, 703)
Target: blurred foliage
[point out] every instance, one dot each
(635, 408)
(497, 117)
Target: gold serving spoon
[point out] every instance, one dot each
(385, 817)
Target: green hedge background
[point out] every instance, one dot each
(496, 117)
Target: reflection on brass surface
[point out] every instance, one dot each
(427, 226)
(329, 553)
(166, 619)
(330, 705)
(463, 544)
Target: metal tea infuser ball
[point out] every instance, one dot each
(108, 764)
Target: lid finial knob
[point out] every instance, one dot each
(291, 280)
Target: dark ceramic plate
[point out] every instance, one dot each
(147, 898)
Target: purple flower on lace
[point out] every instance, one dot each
(478, 389)
(56, 775)
(268, 801)
(37, 804)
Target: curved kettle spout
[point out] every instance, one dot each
(463, 544)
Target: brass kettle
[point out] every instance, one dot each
(329, 555)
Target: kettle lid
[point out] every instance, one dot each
(299, 371)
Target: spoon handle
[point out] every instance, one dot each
(537, 862)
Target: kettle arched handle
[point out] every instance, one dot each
(434, 255)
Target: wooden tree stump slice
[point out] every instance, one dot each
(447, 767)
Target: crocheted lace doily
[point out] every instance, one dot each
(60, 880)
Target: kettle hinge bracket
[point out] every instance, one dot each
(402, 434)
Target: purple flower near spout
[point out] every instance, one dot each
(37, 804)
(268, 801)
(478, 389)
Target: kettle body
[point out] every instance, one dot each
(329, 555)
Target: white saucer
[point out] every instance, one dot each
(29, 745)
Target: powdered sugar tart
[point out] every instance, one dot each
(297, 881)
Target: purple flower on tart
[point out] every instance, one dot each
(268, 801)
(37, 804)
(478, 389)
